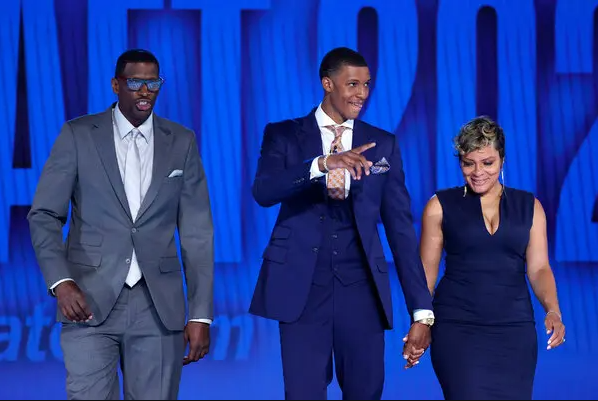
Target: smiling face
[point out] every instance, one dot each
(481, 148)
(481, 169)
(346, 92)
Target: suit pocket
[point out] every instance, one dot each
(173, 180)
(84, 257)
(382, 265)
(91, 239)
(275, 254)
(170, 264)
(281, 232)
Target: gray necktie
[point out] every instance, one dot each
(133, 191)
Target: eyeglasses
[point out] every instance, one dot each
(134, 84)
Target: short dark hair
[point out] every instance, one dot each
(134, 56)
(335, 59)
(478, 133)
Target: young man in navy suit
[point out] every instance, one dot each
(324, 276)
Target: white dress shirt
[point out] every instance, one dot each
(323, 119)
(122, 135)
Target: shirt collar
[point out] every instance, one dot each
(125, 127)
(324, 119)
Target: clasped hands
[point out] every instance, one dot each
(416, 342)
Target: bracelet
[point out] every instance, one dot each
(556, 313)
(326, 164)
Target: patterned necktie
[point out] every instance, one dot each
(336, 177)
(132, 183)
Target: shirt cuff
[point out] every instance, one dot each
(58, 282)
(314, 171)
(420, 314)
(206, 321)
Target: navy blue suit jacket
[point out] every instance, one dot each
(283, 177)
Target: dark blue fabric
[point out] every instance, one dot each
(341, 253)
(484, 343)
(290, 258)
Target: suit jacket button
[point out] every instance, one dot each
(128, 261)
(315, 249)
(133, 230)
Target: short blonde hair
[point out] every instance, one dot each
(478, 133)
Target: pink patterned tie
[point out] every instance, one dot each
(336, 177)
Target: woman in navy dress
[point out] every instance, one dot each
(484, 343)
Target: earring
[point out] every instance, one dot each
(502, 175)
(464, 190)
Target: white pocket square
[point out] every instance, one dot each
(175, 173)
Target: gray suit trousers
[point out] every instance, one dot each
(132, 336)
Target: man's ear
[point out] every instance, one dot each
(327, 84)
(114, 83)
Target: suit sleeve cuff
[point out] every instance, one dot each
(314, 171)
(420, 314)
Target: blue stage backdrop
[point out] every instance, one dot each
(234, 65)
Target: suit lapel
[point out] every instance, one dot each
(310, 143)
(309, 137)
(162, 150)
(360, 137)
(103, 136)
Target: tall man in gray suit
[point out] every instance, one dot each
(132, 179)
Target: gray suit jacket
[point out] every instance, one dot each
(83, 169)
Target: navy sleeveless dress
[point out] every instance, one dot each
(484, 342)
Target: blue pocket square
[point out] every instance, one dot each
(380, 167)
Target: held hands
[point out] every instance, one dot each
(416, 342)
(197, 335)
(352, 160)
(554, 325)
(71, 302)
